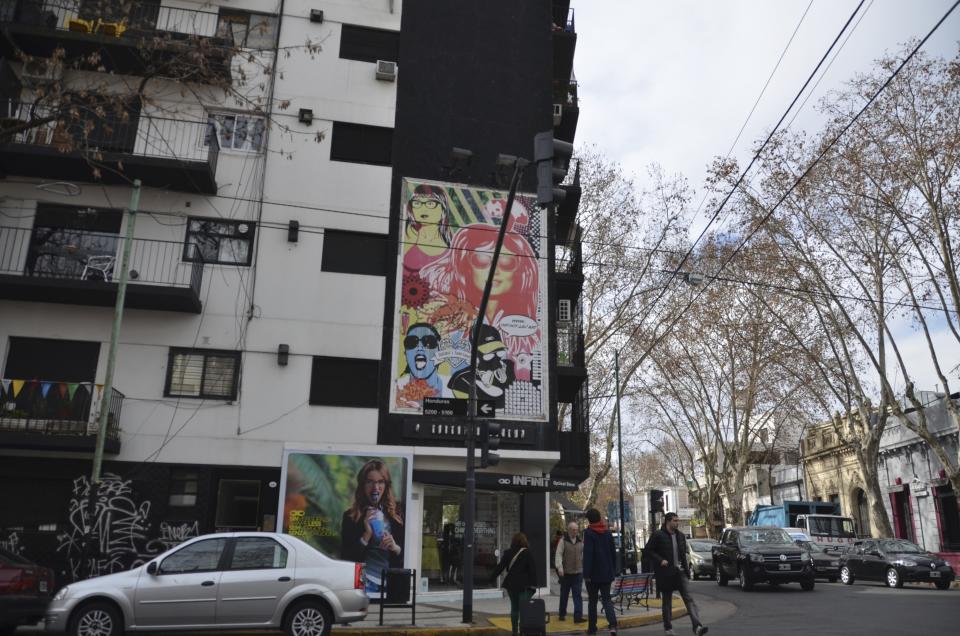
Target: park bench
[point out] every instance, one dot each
(632, 589)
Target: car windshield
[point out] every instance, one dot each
(702, 546)
(899, 546)
(832, 527)
(764, 536)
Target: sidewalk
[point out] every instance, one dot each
(491, 616)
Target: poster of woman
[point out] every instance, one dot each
(350, 507)
(447, 243)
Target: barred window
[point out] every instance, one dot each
(235, 131)
(203, 373)
(219, 241)
(247, 30)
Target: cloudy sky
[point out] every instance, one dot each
(672, 81)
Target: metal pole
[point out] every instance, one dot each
(471, 486)
(623, 519)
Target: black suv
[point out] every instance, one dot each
(757, 554)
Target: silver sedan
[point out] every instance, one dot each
(222, 581)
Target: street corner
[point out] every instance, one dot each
(645, 616)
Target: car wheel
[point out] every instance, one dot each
(745, 583)
(721, 577)
(95, 619)
(308, 618)
(893, 578)
(807, 585)
(943, 585)
(846, 576)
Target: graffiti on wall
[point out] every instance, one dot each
(447, 238)
(117, 536)
(11, 543)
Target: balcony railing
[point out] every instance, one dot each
(57, 408)
(113, 18)
(569, 257)
(66, 253)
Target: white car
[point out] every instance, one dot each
(250, 580)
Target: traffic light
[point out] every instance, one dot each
(656, 501)
(553, 158)
(489, 442)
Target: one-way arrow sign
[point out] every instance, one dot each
(486, 408)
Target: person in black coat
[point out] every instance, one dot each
(667, 550)
(521, 579)
(599, 570)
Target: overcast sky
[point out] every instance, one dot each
(671, 82)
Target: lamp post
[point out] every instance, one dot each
(623, 519)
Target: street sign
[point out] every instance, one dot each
(486, 408)
(449, 407)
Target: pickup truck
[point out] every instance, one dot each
(761, 554)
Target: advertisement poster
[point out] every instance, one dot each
(349, 506)
(448, 233)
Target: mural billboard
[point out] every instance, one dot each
(349, 506)
(447, 237)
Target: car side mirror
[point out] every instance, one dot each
(152, 568)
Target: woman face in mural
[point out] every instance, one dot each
(515, 279)
(374, 486)
(420, 348)
(502, 277)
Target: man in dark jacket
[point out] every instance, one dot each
(599, 570)
(667, 550)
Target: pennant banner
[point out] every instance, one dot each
(17, 387)
(45, 388)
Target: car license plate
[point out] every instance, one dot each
(43, 585)
(784, 566)
(934, 575)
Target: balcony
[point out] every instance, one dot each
(131, 37)
(567, 208)
(565, 94)
(564, 45)
(176, 154)
(50, 415)
(571, 356)
(574, 443)
(78, 267)
(568, 264)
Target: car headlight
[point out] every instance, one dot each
(905, 562)
(62, 593)
(696, 558)
(756, 558)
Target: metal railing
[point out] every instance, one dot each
(114, 18)
(57, 408)
(568, 257)
(67, 253)
(570, 342)
(129, 133)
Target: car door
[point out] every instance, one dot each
(258, 573)
(729, 552)
(873, 564)
(183, 590)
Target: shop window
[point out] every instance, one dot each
(218, 241)
(344, 382)
(202, 556)
(949, 518)
(235, 131)
(368, 45)
(184, 486)
(203, 373)
(254, 553)
(354, 253)
(247, 30)
(238, 504)
(359, 143)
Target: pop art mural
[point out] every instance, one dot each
(447, 237)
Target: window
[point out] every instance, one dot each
(219, 241)
(238, 504)
(202, 556)
(358, 143)
(368, 45)
(563, 310)
(203, 373)
(235, 131)
(52, 360)
(184, 485)
(247, 30)
(253, 553)
(354, 253)
(344, 382)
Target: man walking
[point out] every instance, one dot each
(667, 550)
(599, 570)
(568, 560)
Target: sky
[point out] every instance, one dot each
(671, 82)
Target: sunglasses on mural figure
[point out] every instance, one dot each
(429, 342)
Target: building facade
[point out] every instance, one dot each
(831, 473)
(288, 308)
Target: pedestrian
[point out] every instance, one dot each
(568, 560)
(521, 579)
(667, 550)
(599, 570)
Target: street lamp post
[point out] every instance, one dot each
(623, 519)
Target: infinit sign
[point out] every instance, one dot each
(493, 481)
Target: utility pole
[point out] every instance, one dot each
(623, 520)
(102, 419)
(471, 485)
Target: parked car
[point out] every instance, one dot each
(262, 580)
(25, 590)
(700, 558)
(895, 562)
(757, 554)
(826, 561)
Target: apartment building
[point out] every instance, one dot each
(287, 310)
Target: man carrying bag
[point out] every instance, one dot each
(667, 550)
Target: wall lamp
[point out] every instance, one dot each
(305, 116)
(459, 164)
(503, 168)
(283, 355)
(293, 231)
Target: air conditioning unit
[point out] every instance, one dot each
(41, 71)
(563, 310)
(557, 114)
(386, 70)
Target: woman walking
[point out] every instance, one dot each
(521, 579)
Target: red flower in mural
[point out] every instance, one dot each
(415, 291)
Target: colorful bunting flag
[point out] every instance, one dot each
(45, 388)
(72, 389)
(62, 387)
(17, 387)
(6, 386)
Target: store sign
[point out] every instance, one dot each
(495, 481)
(455, 430)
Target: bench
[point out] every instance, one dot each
(632, 589)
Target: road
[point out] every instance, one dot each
(830, 609)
